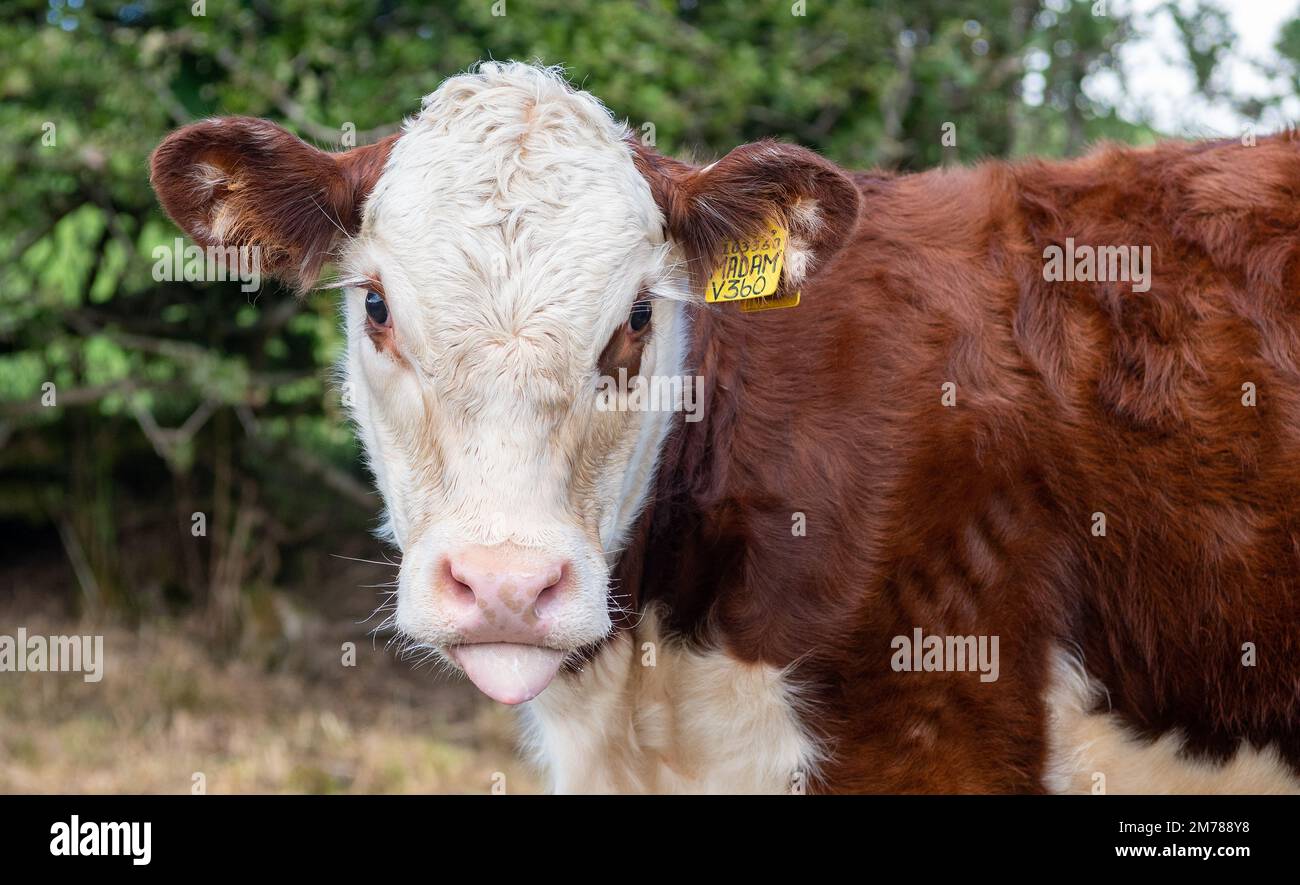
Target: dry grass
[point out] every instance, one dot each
(278, 717)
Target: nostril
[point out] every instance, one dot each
(455, 587)
(552, 592)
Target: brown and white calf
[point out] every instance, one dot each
(949, 448)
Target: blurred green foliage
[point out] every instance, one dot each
(175, 398)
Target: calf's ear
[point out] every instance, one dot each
(244, 182)
(738, 196)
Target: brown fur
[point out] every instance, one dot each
(1072, 398)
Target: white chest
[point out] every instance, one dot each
(649, 716)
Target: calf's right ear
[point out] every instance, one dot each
(740, 195)
(244, 182)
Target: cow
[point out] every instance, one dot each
(1006, 504)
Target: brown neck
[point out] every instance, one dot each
(687, 538)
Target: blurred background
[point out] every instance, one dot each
(227, 650)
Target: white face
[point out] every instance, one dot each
(509, 237)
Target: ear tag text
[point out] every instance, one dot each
(750, 268)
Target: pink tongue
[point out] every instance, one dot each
(507, 671)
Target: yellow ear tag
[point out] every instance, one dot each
(751, 269)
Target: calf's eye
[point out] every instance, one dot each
(376, 309)
(640, 317)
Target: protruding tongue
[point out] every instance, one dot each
(507, 671)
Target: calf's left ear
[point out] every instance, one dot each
(741, 194)
(245, 182)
